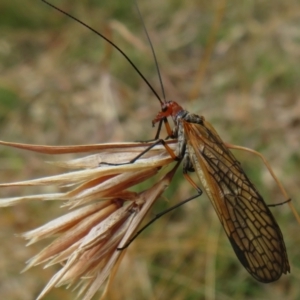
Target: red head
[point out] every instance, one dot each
(168, 109)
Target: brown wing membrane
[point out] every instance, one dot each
(249, 224)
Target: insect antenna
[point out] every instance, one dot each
(111, 43)
(152, 50)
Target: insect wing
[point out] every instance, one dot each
(249, 224)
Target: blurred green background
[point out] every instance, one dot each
(60, 84)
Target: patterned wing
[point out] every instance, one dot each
(249, 224)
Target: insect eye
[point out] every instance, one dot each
(164, 108)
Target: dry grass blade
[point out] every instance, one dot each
(107, 213)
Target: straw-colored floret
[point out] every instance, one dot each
(104, 214)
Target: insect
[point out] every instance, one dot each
(248, 222)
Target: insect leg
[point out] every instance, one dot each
(160, 141)
(281, 203)
(158, 130)
(282, 189)
(157, 216)
(169, 130)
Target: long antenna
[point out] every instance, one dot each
(111, 43)
(152, 50)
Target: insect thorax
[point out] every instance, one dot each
(179, 133)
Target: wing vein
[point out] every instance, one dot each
(249, 224)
